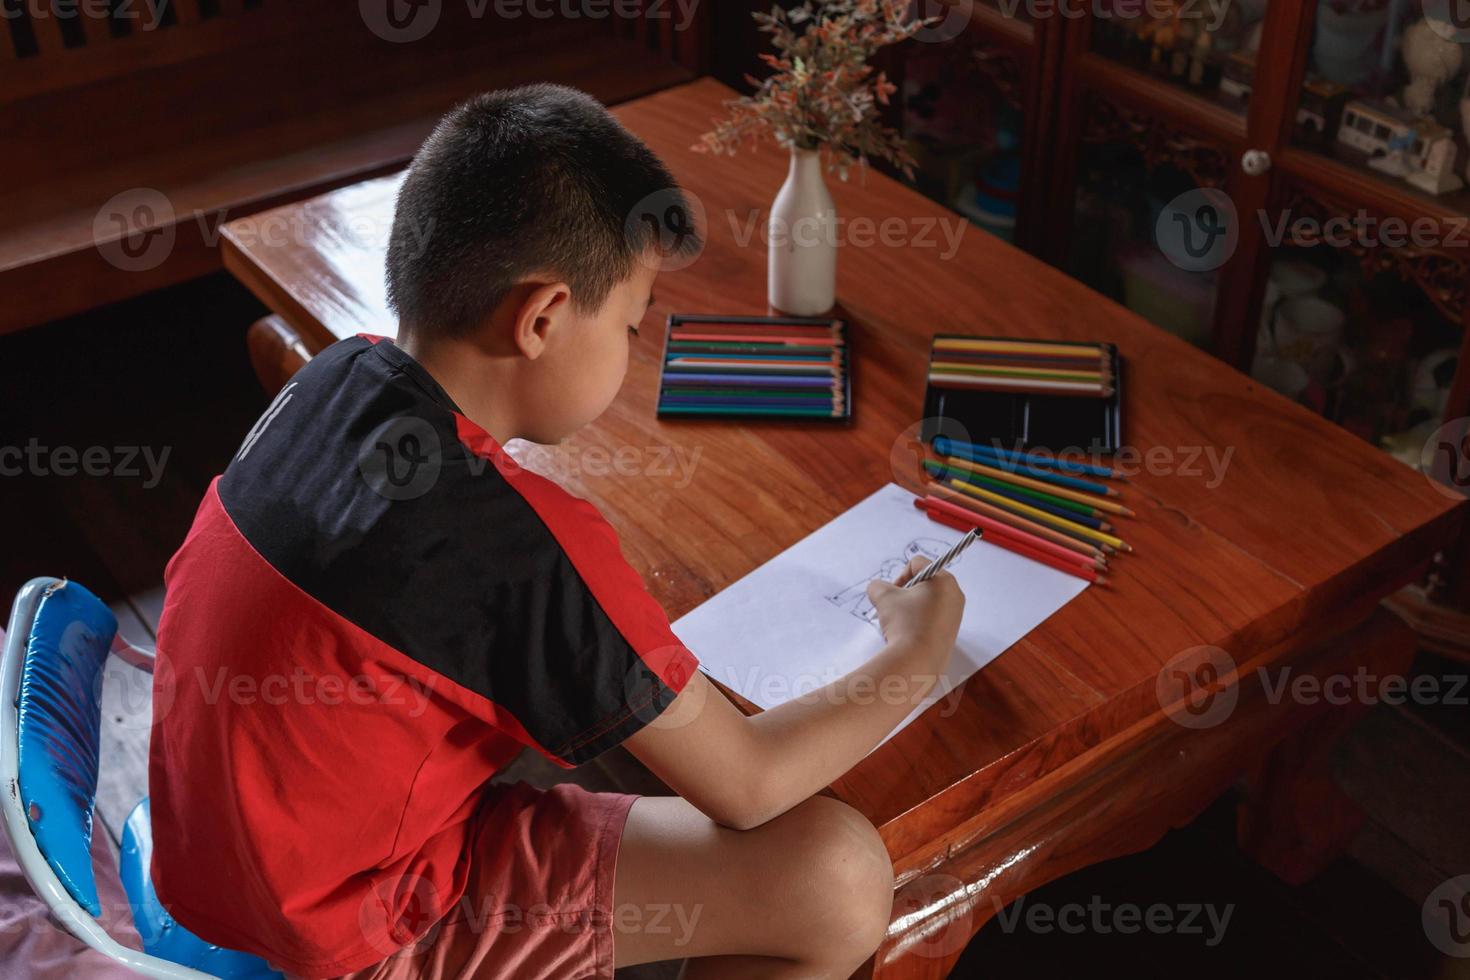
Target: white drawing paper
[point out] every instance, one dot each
(803, 619)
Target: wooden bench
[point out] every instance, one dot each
(127, 143)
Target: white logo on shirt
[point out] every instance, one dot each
(266, 418)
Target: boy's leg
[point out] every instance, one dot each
(808, 894)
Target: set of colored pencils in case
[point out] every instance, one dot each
(1022, 366)
(1054, 513)
(780, 368)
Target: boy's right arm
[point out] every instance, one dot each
(742, 771)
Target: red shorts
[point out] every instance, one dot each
(540, 893)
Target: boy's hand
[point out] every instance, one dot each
(927, 615)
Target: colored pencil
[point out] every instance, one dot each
(946, 446)
(795, 381)
(1085, 572)
(751, 346)
(1017, 494)
(1040, 374)
(1044, 476)
(1023, 493)
(995, 529)
(759, 329)
(946, 380)
(790, 341)
(748, 410)
(1074, 542)
(1050, 484)
(1085, 362)
(1033, 348)
(1034, 513)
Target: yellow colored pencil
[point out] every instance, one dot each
(1016, 520)
(1016, 347)
(1090, 499)
(964, 367)
(1039, 515)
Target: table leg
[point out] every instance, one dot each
(1294, 820)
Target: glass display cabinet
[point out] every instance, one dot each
(1281, 182)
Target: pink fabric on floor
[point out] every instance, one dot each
(34, 947)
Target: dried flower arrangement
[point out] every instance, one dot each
(823, 94)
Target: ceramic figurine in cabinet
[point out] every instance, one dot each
(1417, 149)
(1431, 60)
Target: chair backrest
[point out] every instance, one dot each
(58, 720)
(50, 718)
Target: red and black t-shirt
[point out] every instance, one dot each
(375, 610)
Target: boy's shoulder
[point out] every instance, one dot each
(366, 490)
(363, 462)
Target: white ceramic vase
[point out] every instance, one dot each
(801, 271)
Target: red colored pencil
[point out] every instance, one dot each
(1083, 554)
(1087, 572)
(788, 339)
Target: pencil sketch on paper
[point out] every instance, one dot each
(854, 599)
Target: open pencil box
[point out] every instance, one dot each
(750, 368)
(1029, 420)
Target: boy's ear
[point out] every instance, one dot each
(540, 311)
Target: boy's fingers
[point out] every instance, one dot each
(876, 588)
(916, 565)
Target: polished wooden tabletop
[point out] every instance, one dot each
(1305, 528)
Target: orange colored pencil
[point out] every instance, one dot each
(1016, 521)
(1010, 544)
(995, 529)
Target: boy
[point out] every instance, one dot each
(377, 609)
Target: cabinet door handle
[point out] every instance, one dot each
(1255, 162)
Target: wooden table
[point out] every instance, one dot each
(1066, 750)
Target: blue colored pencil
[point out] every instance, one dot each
(793, 380)
(978, 453)
(942, 472)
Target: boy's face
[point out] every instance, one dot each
(584, 364)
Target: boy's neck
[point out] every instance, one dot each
(482, 385)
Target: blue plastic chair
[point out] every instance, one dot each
(58, 640)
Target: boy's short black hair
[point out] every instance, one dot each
(520, 181)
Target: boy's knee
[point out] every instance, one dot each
(847, 874)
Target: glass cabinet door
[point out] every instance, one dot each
(963, 119)
(1385, 94)
(1207, 47)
